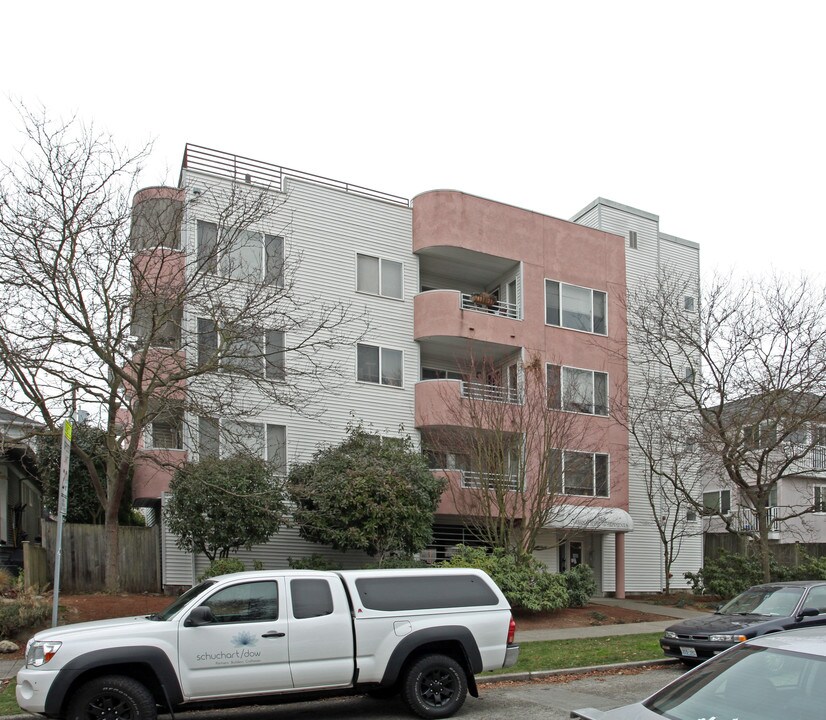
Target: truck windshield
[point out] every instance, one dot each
(181, 600)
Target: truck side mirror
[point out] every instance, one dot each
(201, 615)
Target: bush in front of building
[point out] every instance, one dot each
(525, 581)
(25, 612)
(729, 574)
(581, 585)
(222, 566)
(312, 562)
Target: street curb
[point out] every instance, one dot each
(542, 674)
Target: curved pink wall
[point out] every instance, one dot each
(548, 248)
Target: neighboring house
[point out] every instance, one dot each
(20, 492)
(789, 449)
(445, 278)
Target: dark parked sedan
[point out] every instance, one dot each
(759, 610)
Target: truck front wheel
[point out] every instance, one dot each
(435, 686)
(113, 697)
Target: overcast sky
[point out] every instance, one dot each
(709, 114)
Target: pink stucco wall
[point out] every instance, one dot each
(548, 248)
(153, 473)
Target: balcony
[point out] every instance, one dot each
(446, 403)
(477, 481)
(745, 520)
(453, 319)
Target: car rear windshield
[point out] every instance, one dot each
(779, 601)
(425, 593)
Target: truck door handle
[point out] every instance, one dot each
(273, 633)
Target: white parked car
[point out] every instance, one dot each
(780, 676)
(236, 638)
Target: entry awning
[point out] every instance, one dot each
(595, 519)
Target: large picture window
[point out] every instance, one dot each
(379, 365)
(242, 254)
(378, 276)
(581, 473)
(574, 307)
(260, 353)
(228, 437)
(576, 390)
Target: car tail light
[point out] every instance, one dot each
(511, 631)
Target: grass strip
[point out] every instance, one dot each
(8, 704)
(583, 652)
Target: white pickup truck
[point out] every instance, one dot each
(238, 638)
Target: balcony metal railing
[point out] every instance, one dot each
(255, 172)
(477, 481)
(492, 393)
(497, 307)
(745, 520)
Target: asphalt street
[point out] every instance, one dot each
(533, 700)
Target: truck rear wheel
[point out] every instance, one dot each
(435, 686)
(114, 697)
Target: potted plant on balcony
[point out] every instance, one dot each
(483, 298)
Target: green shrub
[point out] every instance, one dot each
(399, 562)
(222, 566)
(313, 562)
(26, 612)
(524, 580)
(729, 575)
(581, 585)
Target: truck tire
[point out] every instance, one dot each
(113, 697)
(435, 686)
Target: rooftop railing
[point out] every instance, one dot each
(255, 172)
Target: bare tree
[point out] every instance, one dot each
(752, 375)
(663, 452)
(151, 325)
(502, 443)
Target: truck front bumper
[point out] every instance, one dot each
(32, 688)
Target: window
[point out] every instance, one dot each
(260, 352)
(576, 390)
(379, 365)
(717, 501)
(166, 430)
(819, 434)
(159, 322)
(688, 303)
(761, 435)
(632, 239)
(378, 276)
(421, 592)
(798, 435)
(244, 254)
(311, 598)
(229, 437)
(248, 602)
(575, 307)
(581, 473)
(689, 375)
(439, 374)
(820, 499)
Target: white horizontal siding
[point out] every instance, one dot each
(644, 566)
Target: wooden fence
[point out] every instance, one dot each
(785, 553)
(82, 566)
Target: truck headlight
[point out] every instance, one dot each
(39, 652)
(727, 638)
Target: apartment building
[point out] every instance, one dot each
(459, 294)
